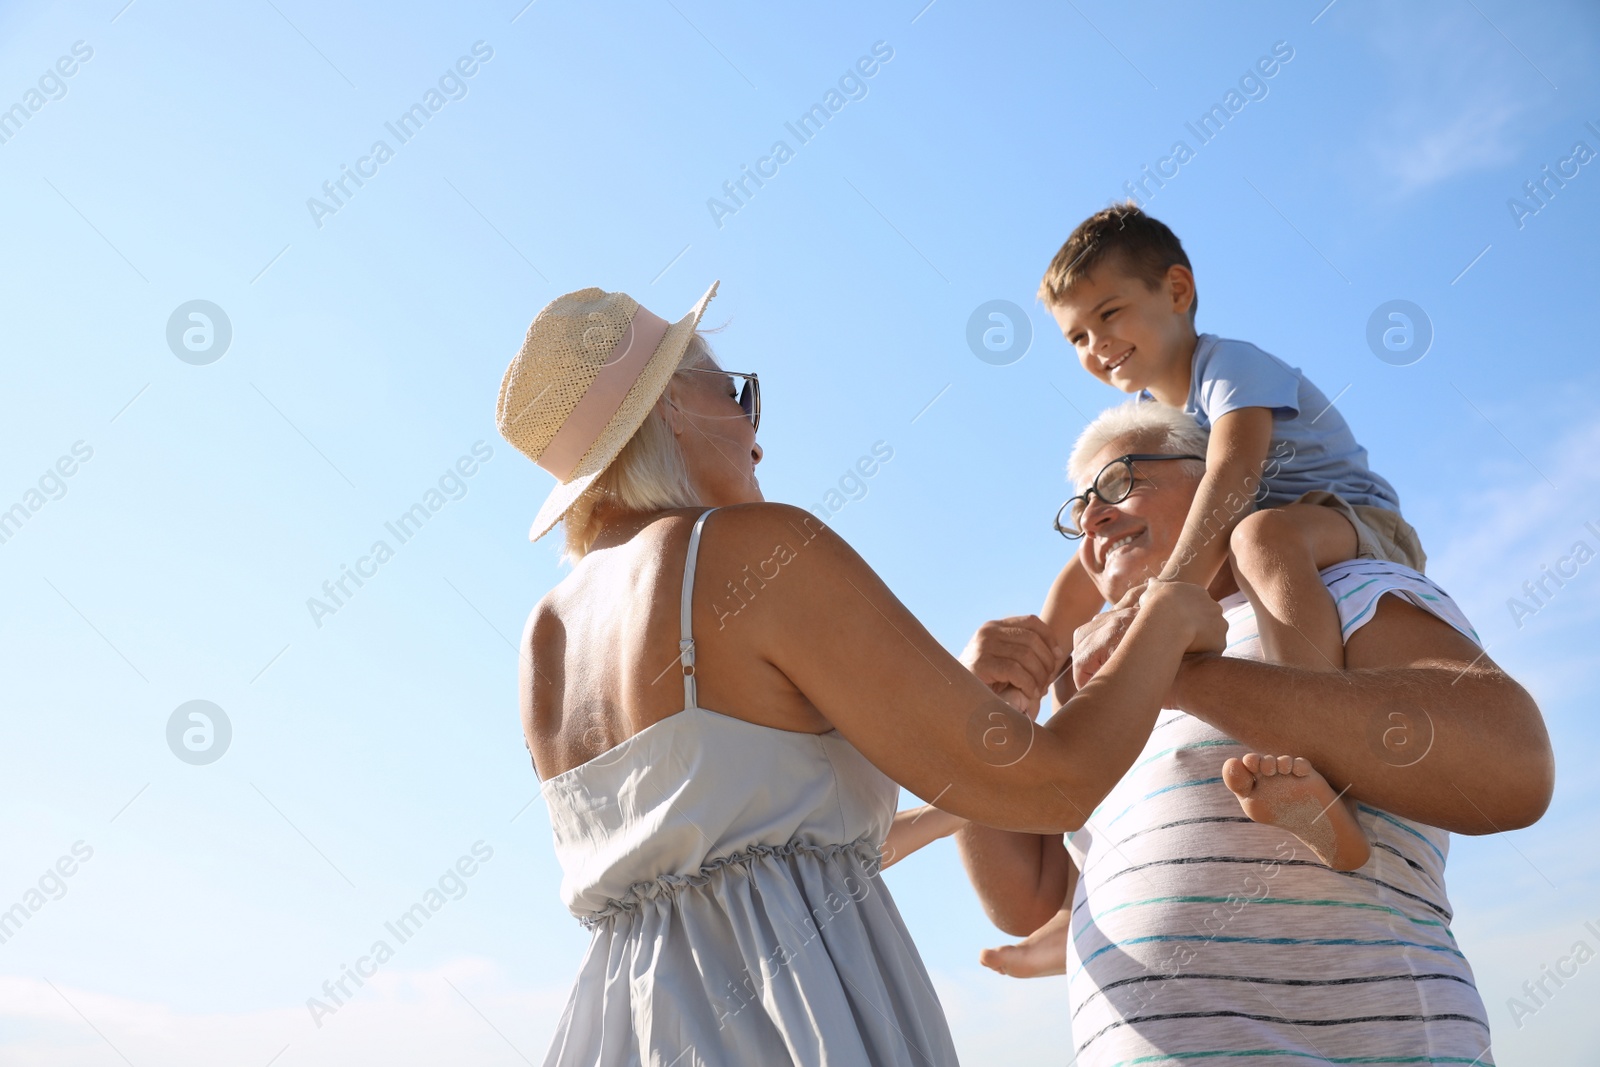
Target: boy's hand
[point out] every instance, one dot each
(1192, 605)
(1095, 640)
(1016, 657)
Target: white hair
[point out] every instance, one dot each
(649, 474)
(1145, 427)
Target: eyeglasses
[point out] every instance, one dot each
(1112, 485)
(749, 396)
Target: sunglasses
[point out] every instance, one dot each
(1112, 485)
(749, 395)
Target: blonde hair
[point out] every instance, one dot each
(649, 474)
(1157, 428)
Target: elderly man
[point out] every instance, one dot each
(1200, 934)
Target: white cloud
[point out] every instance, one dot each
(1513, 528)
(399, 1019)
(1455, 95)
(1440, 147)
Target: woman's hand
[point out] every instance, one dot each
(1017, 658)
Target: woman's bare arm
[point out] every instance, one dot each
(831, 626)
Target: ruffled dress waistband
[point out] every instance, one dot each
(638, 893)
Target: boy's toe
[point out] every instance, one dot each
(1238, 777)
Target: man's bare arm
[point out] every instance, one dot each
(1420, 724)
(1014, 874)
(1022, 878)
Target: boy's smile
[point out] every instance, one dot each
(1129, 335)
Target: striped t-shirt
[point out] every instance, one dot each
(1200, 936)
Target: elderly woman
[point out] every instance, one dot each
(722, 713)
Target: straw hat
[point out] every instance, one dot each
(593, 365)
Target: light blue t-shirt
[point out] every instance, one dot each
(1312, 446)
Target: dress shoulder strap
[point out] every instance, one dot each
(685, 610)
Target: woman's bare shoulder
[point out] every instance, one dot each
(733, 535)
(758, 523)
(763, 536)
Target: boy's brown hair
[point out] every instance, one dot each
(1145, 245)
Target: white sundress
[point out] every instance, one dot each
(729, 873)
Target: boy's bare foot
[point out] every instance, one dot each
(1041, 953)
(1287, 791)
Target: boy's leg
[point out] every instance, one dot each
(1041, 953)
(1276, 555)
(1287, 791)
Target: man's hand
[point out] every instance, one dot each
(1095, 640)
(1017, 657)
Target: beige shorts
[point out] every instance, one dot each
(1380, 533)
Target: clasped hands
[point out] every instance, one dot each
(1020, 657)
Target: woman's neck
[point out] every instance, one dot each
(619, 525)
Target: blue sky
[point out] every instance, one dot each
(372, 748)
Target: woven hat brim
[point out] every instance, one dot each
(641, 397)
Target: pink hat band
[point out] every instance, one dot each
(600, 402)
